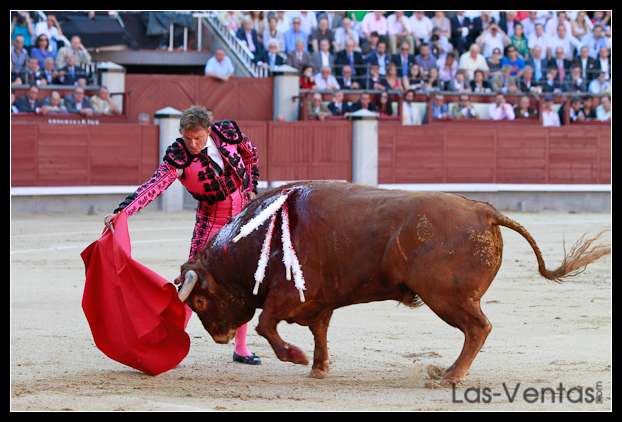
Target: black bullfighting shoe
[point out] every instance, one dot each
(249, 360)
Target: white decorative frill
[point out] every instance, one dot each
(290, 260)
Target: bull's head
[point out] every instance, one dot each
(220, 311)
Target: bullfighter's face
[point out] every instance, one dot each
(195, 138)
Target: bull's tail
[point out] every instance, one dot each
(582, 253)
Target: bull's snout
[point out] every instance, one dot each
(224, 338)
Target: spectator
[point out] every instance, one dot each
(78, 102)
(344, 33)
(421, 27)
(399, 30)
(380, 58)
(492, 38)
(392, 81)
(103, 104)
(76, 49)
(374, 22)
(441, 22)
(586, 63)
(500, 109)
(440, 110)
(403, 60)
(519, 40)
(231, 19)
(306, 78)
(472, 61)
(30, 103)
(54, 103)
(364, 103)
(308, 21)
(337, 107)
(335, 19)
(346, 80)
(248, 35)
(564, 39)
(603, 111)
(526, 82)
(575, 112)
(481, 24)
(551, 84)
(33, 75)
(324, 80)
(538, 63)
(415, 79)
(523, 109)
(529, 23)
(272, 33)
(21, 25)
(494, 61)
(461, 31)
(299, 58)
(601, 18)
(425, 59)
(350, 57)
(219, 66)
(14, 108)
(600, 85)
(501, 81)
(576, 82)
(458, 83)
(463, 109)
(323, 57)
(322, 32)
(375, 80)
(384, 106)
(283, 22)
(507, 21)
(272, 57)
(16, 79)
(603, 62)
(258, 19)
(513, 60)
(432, 82)
(549, 117)
(439, 44)
(560, 63)
(294, 35)
(512, 87)
(552, 25)
(41, 50)
(581, 26)
(448, 67)
(70, 74)
(479, 85)
(540, 39)
(410, 112)
(371, 45)
(19, 55)
(589, 108)
(52, 30)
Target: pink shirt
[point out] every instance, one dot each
(371, 24)
(505, 112)
(395, 27)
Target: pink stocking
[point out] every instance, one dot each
(240, 341)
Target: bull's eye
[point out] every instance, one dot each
(199, 302)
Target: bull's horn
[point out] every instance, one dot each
(189, 282)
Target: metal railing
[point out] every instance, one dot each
(243, 54)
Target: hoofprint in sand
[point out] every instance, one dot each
(381, 353)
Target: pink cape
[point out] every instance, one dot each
(135, 315)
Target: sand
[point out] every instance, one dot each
(381, 353)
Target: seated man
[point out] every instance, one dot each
(70, 74)
(103, 104)
(337, 107)
(603, 111)
(324, 80)
(346, 80)
(523, 109)
(55, 104)
(549, 117)
(272, 57)
(78, 102)
(33, 74)
(463, 109)
(317, 109)
(364, 103)
(501, 110)
(440, 110)
(30, 103)
(219, 66)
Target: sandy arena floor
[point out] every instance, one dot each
(543, 334)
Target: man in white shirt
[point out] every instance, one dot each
(324, 80)
(398, 27)
(308, 21)
(421, 26)
(540, 39)
(219, 66)
(554, 22)
(492, 38)
(471, 61)
(501, 110)
(595, 41)
(565, 40)
(345, 32)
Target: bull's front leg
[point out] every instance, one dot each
(319, 328)
(284, 351)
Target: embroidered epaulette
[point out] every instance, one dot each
(228, 131)
(178, 155)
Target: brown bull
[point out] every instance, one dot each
(359, 244)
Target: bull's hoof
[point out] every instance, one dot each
(297, 356)
(450, 380)
(318, 373)
(435, 372)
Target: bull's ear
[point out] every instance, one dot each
(209, 283)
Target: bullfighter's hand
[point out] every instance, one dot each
(109, 219)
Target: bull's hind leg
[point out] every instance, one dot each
(467, 316)
(319, 328)
(284, 351)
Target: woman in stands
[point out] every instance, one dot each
(392, 81)
(384, 105)
(217, 164)
(414, 80)
(41, 50)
